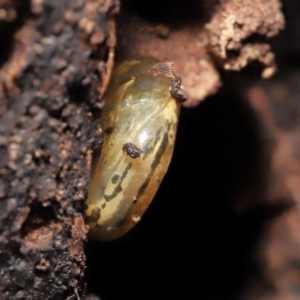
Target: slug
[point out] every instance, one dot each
(139, 122)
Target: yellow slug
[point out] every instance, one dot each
(139, 122)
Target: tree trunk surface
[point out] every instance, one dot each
(225, 222)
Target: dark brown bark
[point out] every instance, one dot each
(54, 56)
(225, 222)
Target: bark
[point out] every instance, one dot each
(224, 224)
(53, 56)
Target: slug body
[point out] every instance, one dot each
(139, 123)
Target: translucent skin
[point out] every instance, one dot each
(139, 110)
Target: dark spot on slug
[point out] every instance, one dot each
(103, 205)
(110, 129)
(176, 91)
(95, 215)
(150, 145)
(115, 178)
(116, 191)
(132, 150)
(118, 187)
(155, 163)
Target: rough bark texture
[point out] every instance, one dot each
(234, 23)
(225, 222)
(52, 56)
